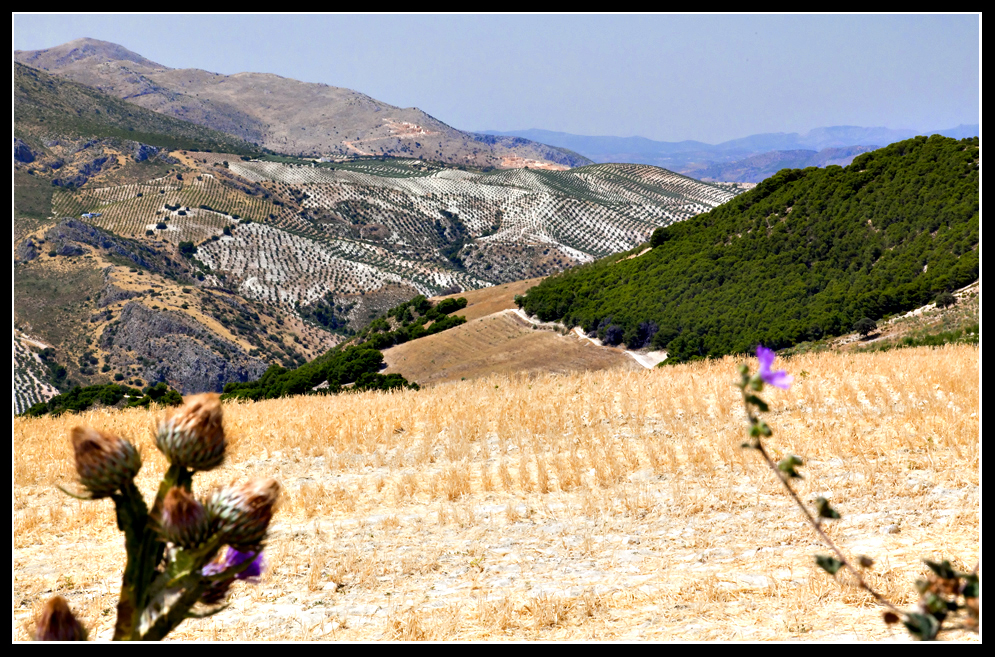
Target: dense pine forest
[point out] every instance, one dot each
(805, 254)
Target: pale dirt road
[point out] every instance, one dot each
(648, 360)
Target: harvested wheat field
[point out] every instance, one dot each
(498, 344)
(605, 505)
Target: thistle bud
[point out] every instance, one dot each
(242, 514)
(184, 519)
(192, 436)
(105, 463)
(57, 622)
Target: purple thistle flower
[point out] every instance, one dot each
(780, 379)
(234, 557)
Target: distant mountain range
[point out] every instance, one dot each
(285, 115)
(748, 159)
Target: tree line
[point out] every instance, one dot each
(805, 254)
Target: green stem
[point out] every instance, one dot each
(758, 445)
(144, 549)
(189, 591)
(132, 519)
(176, 475)
(173, 598)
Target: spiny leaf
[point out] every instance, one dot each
(787, 466)
(971, 587)
(922, 626)
(828, 564)
(759, 403)
(826, 511)
(209, 613)
(943, 570)
(936, 605)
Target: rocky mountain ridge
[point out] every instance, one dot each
(286, 115)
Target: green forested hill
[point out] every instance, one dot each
(805, 254)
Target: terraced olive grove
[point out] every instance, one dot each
(496, 226)
(31, 380)
(291, 231)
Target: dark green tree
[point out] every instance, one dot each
(865, 326)
(945, 300)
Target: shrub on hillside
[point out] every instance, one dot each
(945, 300)
(811, 248)
(865, 326)
(79, 399)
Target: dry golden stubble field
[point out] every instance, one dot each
(606, 505)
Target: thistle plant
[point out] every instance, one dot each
(945, 594)
(182, 552)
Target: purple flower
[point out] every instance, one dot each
(232, 558)
(781, 379)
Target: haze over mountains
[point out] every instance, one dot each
(285, 115)
(747, 159)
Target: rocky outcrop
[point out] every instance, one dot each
(26, 251)
(22, 152)
(83, 173)
(175, 349)
(112, 294)
(142, 152)
(70, 249)
(66, 236)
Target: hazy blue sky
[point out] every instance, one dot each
(709, 78)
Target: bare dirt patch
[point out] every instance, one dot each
(517, 162)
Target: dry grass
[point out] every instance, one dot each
(603, 505)
(498, 344)
(489, 300)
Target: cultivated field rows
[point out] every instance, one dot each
(606, 505)
(130, 210)
(279, 267)
(30, 385)
(605, 209)
(363, 224)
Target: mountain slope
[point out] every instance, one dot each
(286, 115)
(279, 249)
(806, 253)
(48, 107)
(355, 230)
